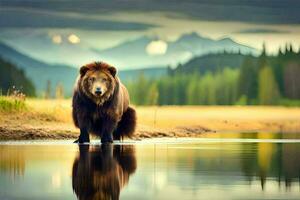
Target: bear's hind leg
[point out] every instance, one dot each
(126, 126)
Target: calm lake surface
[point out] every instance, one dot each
(217, 166)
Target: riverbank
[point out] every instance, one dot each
(51, 119)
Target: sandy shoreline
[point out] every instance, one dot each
(57, 132)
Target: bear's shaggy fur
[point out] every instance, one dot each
(101, 104)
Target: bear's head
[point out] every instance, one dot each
(98, 81)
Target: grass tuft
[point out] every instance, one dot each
(14, 102)
(8, 104)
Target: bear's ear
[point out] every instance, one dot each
(113, 71)
(83, 70)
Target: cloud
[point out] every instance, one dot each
(24, 18)
(157, 47)
(261, 31)
(254, 11)
(73, 39)
(57, 39)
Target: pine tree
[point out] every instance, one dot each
(291, 48)
(262, 59)
(264, 50)
(248, 83)
(280, 53)
(286, 48)
(207, 88)
(291, 80)
(59, 91)
(48, 90)
(141, 91)
(268, 89)
(152, 97)
(193, 91)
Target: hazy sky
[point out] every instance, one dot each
(105, 23)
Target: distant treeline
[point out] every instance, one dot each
(12, 78)
(262, 80)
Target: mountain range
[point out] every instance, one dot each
(133, 53)
(130, 55)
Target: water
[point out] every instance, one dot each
(217, 166)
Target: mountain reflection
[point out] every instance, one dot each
(100, 172)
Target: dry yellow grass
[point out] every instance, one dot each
(220, 117)
(59, 108)
(212, 117)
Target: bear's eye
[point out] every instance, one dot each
(104, 79)
(91, 79)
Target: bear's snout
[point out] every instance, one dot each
(98, 91)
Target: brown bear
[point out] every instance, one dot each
(101, 104)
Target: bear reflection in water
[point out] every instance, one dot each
(100, 172)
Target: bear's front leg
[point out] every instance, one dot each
(83, 137)
(107, 130)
